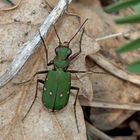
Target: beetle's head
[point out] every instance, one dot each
(63, 51)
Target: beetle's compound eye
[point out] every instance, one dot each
(56, 50)
(69, 52)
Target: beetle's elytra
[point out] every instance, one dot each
(56, 89)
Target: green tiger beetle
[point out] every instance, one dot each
(57, 84)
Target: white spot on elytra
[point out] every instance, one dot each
(50, 93)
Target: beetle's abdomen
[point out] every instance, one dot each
(56, 90)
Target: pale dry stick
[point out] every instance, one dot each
(114, 70)
(111, 105)
(11, 8)
(30, 46)
(111, 36)
(116, 35)
(96, 132)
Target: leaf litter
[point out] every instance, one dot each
(41, 124)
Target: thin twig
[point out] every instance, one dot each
(116, 35)
(109, 105)
(30, 47)
(111, 36)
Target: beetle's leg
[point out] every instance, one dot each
(80, 50)
(76, 88)
(46, 50)
(39, 72)
(77, 71)
(38, 81)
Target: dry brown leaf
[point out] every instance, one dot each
(18, 27)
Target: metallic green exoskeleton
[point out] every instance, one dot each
(57, 84)
(58, 81)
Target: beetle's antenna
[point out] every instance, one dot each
(46, 50)
(77, 31)
(57, 35)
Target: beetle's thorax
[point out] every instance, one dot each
(61, 60)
